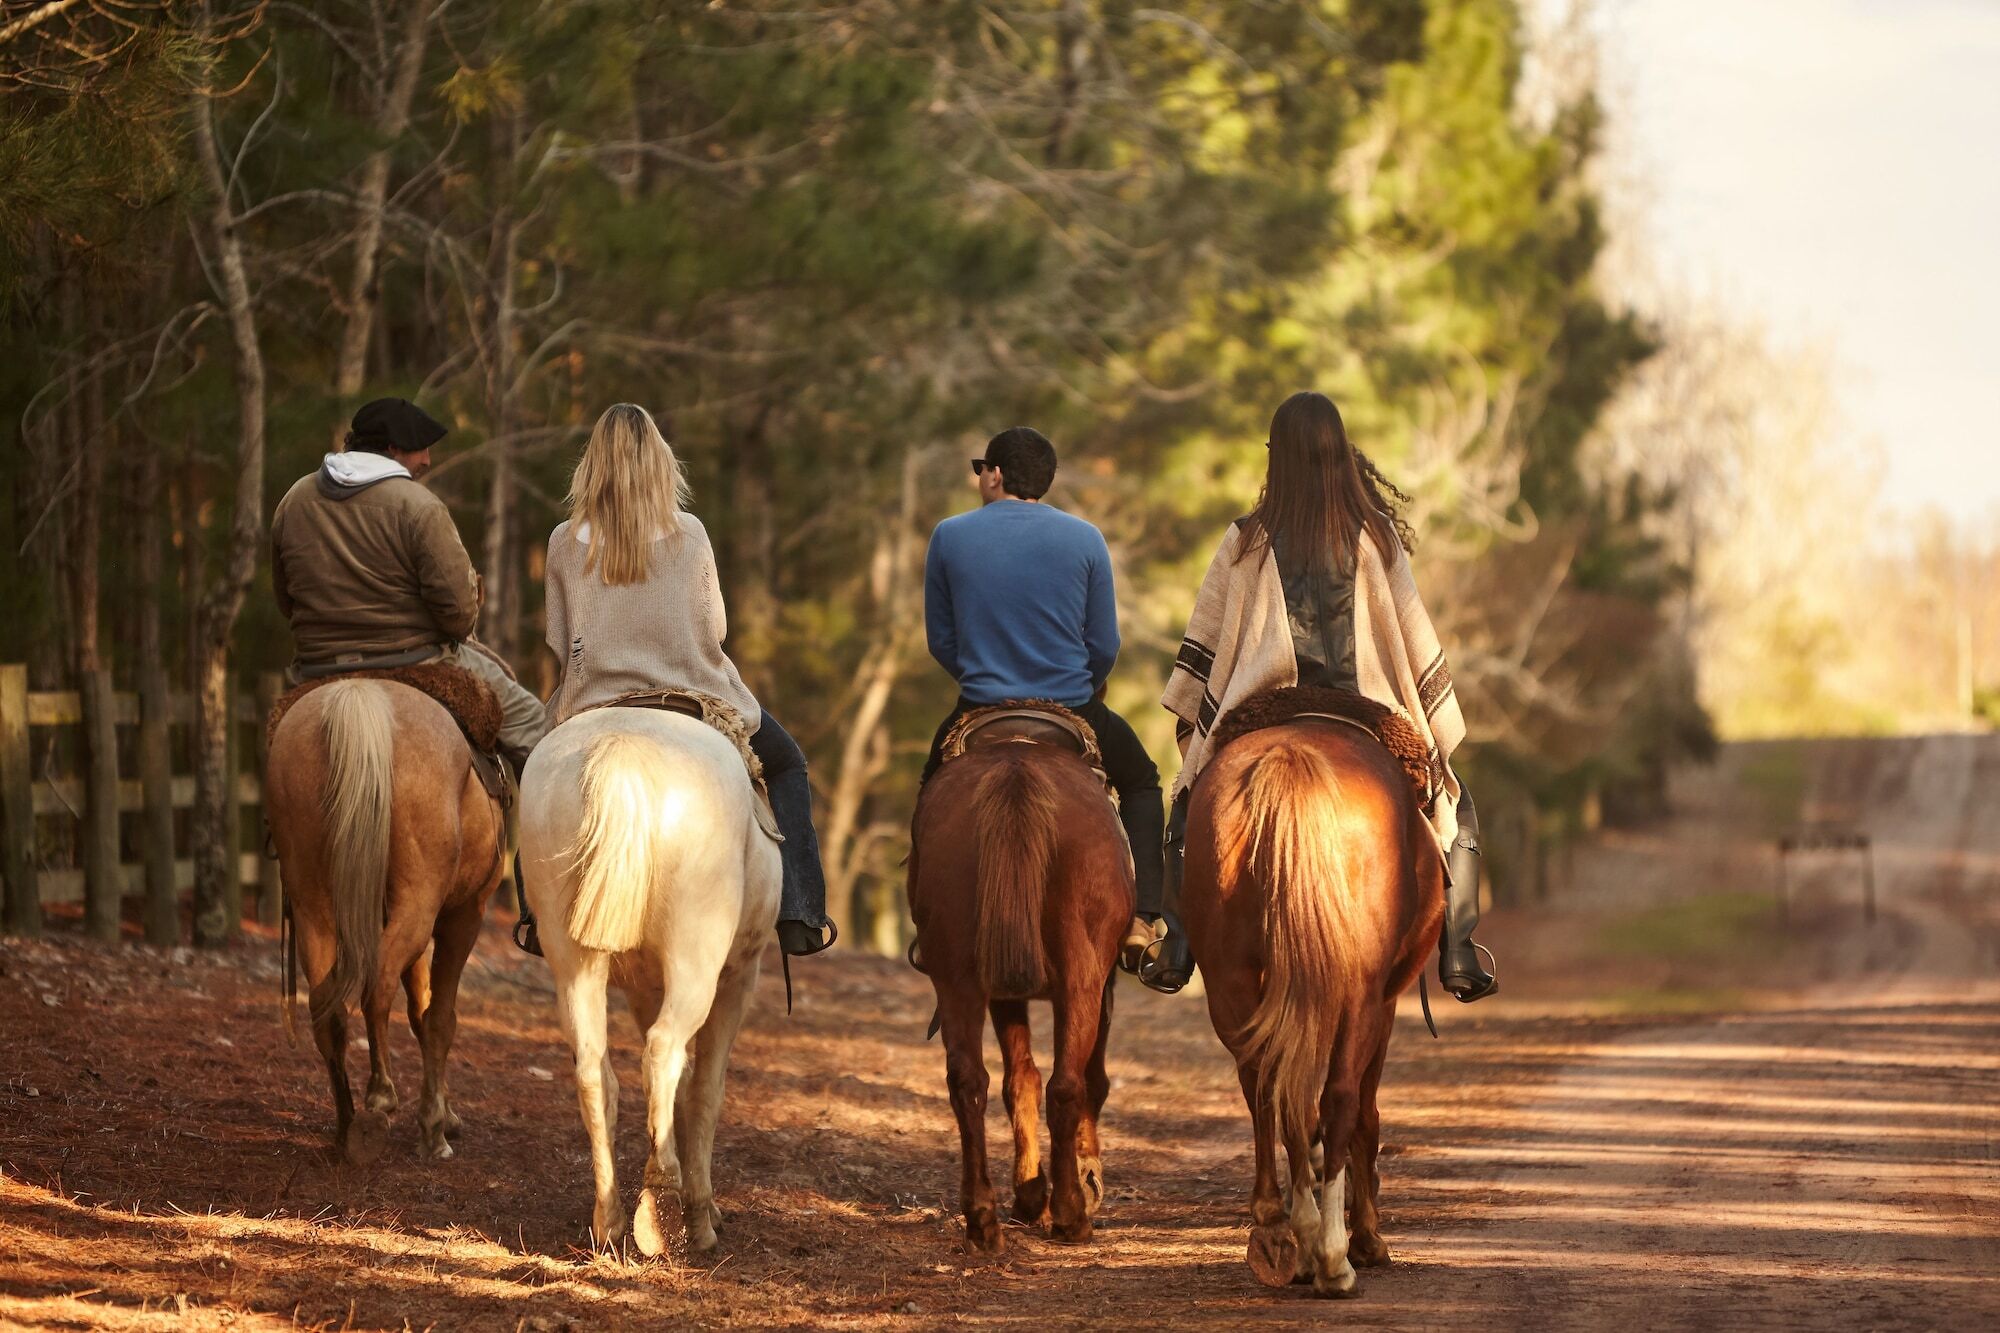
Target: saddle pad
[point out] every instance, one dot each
(1274, 708)
(468, 699)
(956, 741)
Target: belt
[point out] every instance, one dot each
(364, 662)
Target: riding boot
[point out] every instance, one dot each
(1168, 965)
(1459, 968)
(1145, 821)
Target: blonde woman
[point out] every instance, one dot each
(634, 604)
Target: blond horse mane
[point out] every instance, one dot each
(1285, 811)
(357, 722)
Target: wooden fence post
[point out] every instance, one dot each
(156, 783)
(17, 806)
(232, 823)
(270, 887)
(103, 882)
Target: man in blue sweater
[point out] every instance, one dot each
(1018, 604)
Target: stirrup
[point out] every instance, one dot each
(911, 954)
(1150, 969)
(1492, 986)
(526, 938)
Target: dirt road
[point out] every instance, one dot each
(1676, 1115)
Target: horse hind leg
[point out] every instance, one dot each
(402, 948)
(456, 931)
(330, 1035)
(1097, 1089)
(665, 1062)
(1366, 1248)
(1332, 1271)
(581, 980)
(701, 1100)
(1077, 1030)
(1021, 1085)
(962, 1013)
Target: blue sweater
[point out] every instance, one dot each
(1018, 604)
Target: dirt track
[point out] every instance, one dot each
(1812, 1140)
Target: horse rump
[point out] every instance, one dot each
(1286, 807)
(1014, 807)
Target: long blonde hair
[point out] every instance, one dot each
(629, 489)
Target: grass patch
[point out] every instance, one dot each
(1716, 927)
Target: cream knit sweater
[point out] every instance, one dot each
(664, 633)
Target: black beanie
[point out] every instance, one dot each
(393, 423)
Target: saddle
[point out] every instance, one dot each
(1329, 704)
(468, 699)
(1023, 722)
(719, 717)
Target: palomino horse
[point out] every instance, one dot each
(1313, 895)
(1020, 886)
(387, 842)
(646, 865)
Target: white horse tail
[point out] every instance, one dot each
(360, 746)
(620, 853)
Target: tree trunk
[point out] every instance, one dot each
(500, 616)
(392, 118)
(215, 855)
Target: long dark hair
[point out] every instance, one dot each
(1321, 493)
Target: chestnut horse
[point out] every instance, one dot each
(1313, 894)
(387, 843)
(1020, 885)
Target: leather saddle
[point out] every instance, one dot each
(669, 701)
(1027, 726)
(469, 700)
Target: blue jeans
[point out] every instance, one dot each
(804, 895)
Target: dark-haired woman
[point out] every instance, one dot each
(1313, 587)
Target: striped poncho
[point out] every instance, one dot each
(1239, 644)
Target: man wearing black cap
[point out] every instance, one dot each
(368, 568)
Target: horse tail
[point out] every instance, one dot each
(359, 727)
(1286, 808)
(620, 853)
(1014, 811)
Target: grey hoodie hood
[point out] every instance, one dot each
(344, 475)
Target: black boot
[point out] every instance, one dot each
(799, 939)
(1459, 968)
(1168, 965)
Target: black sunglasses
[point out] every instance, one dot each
(979, 465)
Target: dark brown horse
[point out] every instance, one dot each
(388, 844)
(1020, 886)
(1313, 895)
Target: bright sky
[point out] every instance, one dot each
(1832, 168)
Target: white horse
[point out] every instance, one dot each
(645, 863)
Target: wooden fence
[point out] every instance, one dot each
(124, 745)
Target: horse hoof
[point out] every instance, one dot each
(701, 1220)
(367, 1137)
(1342, 1285)
(1274, 1255)
(383, 1099)
(1071, 1233)
(1090, 1175)
(647, 1233)
(1368, 1251)
(1031, 1201)
(452, 1124)
(438, 1148)
(982, 1234)
(607, 1234)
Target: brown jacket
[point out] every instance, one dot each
(369, 569)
